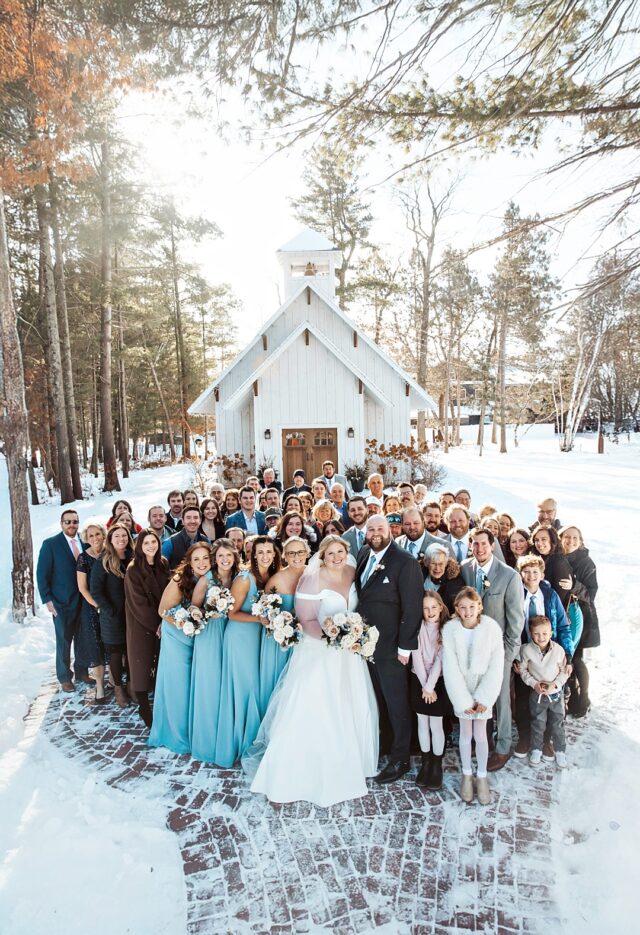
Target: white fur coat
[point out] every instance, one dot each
(473, 674)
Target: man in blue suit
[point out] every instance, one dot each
(58, 586)
(247, 517)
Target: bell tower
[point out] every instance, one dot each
(312, 257)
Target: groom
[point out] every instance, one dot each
(390, 589)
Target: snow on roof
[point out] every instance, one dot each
(307, 241)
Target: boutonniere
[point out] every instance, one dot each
(486, 584)
(378, 568)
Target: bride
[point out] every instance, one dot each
(319, 738)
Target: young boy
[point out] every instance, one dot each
(543, 668)
(539, 599)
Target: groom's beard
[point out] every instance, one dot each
(378, 543)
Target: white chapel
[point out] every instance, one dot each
(310, 385)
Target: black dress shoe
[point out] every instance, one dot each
(392, 771)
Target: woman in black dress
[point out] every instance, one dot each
(89, 648)
(107, 589)
(585, 588)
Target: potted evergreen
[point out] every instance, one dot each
(356, 474)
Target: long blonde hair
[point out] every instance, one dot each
(110, 558)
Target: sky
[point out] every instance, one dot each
(211, 169)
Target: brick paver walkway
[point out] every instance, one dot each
(420, 862)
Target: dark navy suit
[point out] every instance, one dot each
(57, 582)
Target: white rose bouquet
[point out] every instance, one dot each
(282, 625)
(191, 621)
(218, 602)
(350, 633)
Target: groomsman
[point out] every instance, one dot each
(500, 588)
(457, 520)
(247, 517)
(356, 534)
(58, 585)
(390, 588)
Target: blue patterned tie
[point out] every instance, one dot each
(479, 580)
(369, 568)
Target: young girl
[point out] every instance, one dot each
(428, 695)
(473, 663)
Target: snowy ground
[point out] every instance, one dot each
(83, 847)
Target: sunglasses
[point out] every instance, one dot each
(70, 522)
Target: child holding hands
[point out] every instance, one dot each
(473, 664)
(543, 667)
(428, 695)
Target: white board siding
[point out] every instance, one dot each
(235, 431)
(308, 387)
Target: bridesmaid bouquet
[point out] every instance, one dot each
(282, 625)
(218, 602)
(350, 632)
(191, 621)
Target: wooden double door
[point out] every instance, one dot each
(307, 449)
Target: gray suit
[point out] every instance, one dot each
(350, 537)
(427, 540)
(502, 600)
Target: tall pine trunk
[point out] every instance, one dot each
(54, 358)
(63, 323)
(502, 380)
(180, 351)
(122, 391)
(111, 481)
(14, 425)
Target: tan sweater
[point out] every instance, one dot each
(550, 667)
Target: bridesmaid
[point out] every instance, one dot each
(239, 717)
(144, 583)
(170, 726)
(206, 670)
(89, 646)
(273, 660)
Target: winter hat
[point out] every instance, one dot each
(273, 511)
(298, 473)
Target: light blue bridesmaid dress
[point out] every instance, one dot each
(206, 673)
(170, 726)
(239, 713)
(273, 660)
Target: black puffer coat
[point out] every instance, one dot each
(585, 589)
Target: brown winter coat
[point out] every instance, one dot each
(143, 589)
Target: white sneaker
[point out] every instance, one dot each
(535, 757)
(561, 759)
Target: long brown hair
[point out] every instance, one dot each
(225, 544)
(183, 575)
(284, 520)
(275, 565)
(110, 558)
(139, 559)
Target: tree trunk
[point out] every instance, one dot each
(483, 409)
(167, 420)
(54, 358)
(502, 380)
(111, 481)
(14, 426)
(122, 390)
(180, 351)
(65, 343)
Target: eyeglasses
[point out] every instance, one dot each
(70, 522)
(297, 554)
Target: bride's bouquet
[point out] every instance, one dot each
(218, 602)
(349, 631)
(191, 621)
(282, 625)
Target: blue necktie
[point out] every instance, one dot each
(412, 549)
(532, 607)
(459, 550)
(369, 568)
(479, 580)
(359, 538)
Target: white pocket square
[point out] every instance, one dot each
(386, 581)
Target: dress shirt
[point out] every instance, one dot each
(78, 543)
(379, 556)
(414, 548)
(251, 524)
(538, 600)
(464, 543)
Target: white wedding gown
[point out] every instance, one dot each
(319, 738)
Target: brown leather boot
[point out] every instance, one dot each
(121, 696)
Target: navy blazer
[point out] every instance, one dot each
(237, 519)
(56, 575)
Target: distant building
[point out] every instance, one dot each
(310, 385)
